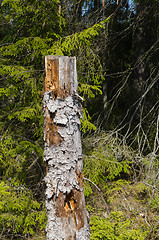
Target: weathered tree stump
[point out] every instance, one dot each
(65, 202)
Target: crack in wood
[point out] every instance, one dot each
(51, 129)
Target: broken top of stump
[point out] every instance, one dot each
(61, 76)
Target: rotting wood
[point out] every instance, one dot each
(65, 203)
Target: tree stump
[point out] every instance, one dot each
(65, 202)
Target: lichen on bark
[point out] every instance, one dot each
(65, 203)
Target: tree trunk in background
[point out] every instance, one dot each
(140, 45)
(144, 37)
(97, 10)
(65, 203)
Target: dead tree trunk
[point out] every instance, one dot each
(65, 203)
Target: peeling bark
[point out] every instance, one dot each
(65, 203)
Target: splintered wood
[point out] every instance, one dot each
(65, 203)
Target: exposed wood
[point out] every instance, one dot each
(65, 203)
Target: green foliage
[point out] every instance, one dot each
(19, 212)
(106, 161)
(113, 189)
(3, 193)
(21, 146)
(86, 122)
(78, 41)
(25, 52)
(89, 91)
(81, 45)
(155, 204)
(115, 227)
(32, 18)
(121, 206)
(35, 30)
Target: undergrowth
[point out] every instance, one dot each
(121, 190)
